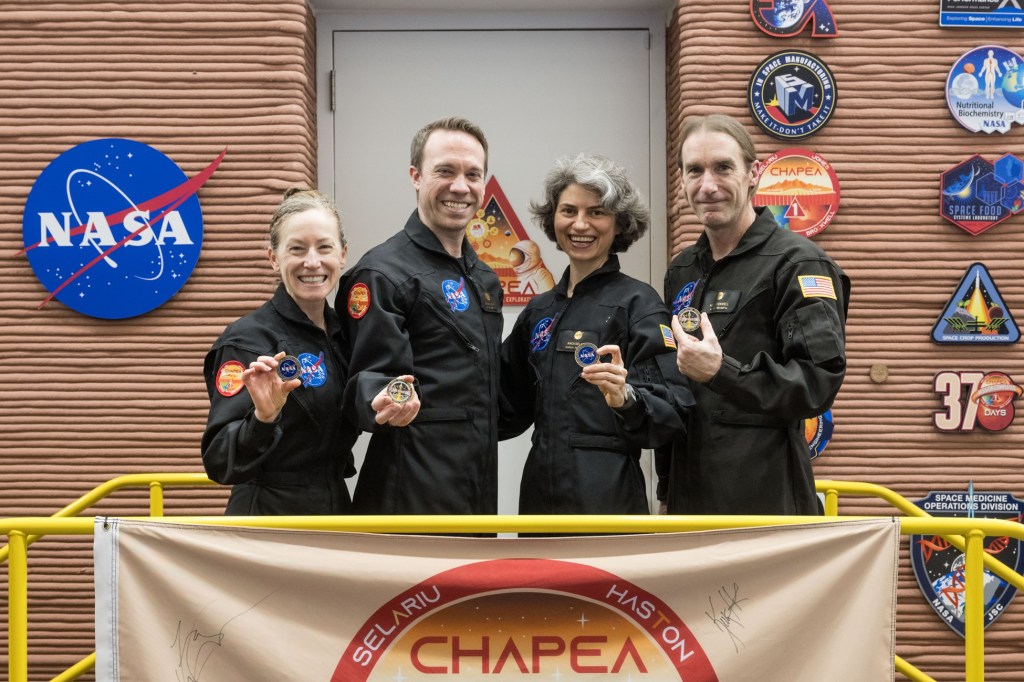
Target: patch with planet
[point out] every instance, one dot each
(985, 89)
(977, 194)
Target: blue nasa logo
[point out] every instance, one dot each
(113, 228)
(541, 335)
(455, 293)
(314, 371)
(792, 94)
(786, 18)
(684, 297)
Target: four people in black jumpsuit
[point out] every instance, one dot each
(597, 365)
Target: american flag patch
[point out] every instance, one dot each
(816, 285)
(666, 335)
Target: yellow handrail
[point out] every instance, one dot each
(23, 531)
(154, 482)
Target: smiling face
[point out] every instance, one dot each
(584, 229)
(450, 182)
(717, 181)
(309, 257)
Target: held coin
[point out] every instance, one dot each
(399, 391)
(586, 354)
(689, 320)
(288, 368)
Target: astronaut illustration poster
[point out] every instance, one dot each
(501, 241)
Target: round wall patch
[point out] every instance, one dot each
(792, 94)
(229, 378)
(985, 89)
(800, 189)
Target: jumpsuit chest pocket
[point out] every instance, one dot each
(725, 307)
(434, 310)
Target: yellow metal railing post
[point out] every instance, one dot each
(974, 607)
(831, 502)
(156, 498)
(17, 611)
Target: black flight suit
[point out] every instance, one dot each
(408, 307)
(298, 464)
(778, 305)
(585, 455)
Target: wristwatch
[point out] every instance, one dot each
(630, 398)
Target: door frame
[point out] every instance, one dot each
(653, 19)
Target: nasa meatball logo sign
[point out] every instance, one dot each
(786, 18)
(939, 566)
(519, 617)
(113, 228)
(792, 94)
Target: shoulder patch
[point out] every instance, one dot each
(229, 378)
(358, 301)
(817, 286)
(666, 336)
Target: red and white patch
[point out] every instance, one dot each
(229, 378)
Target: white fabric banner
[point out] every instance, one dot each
(190, 603)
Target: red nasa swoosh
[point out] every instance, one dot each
(178, 195)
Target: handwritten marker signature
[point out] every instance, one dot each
(195, 648)
(725, 617)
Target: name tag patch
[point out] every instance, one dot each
(722, 302)
(569, 339)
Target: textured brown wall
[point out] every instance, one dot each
(90, 399)
(889, 139)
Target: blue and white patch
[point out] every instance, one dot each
(792, 94)
(787, 18)
(541, 335)
(684, 297)
(455, 293)
(940, 567)
(314, 370)
(113, 228)
(985, 89)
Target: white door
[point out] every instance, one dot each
(537, 95)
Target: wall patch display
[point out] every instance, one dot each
(985, 89)
(977, 194)
(981, 13)
(792, 94)
(972, 398)
(976, 313)
(786, 18)
(801, 190)
(939, 566)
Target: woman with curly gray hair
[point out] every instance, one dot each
(602, 382)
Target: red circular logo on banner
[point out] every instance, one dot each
(518, 617)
